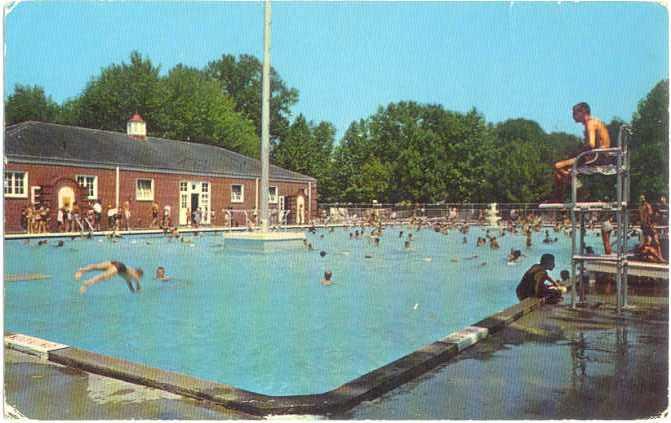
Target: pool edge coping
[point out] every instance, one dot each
(363, 388)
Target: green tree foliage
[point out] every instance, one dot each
(30, 103)
(109, 99)
(306, 148)
(241, 79)
(414, 152)
(649, 144)
(196, 109)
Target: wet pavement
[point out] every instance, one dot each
(555, 363)
(44, 390)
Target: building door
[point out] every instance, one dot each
(183, 202)
(194, 195)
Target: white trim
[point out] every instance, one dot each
(242, 193)
(25, 184)
(137, 192)
(277, 194)
(32, 192)
(95, 185)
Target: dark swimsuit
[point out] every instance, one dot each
(120, 267)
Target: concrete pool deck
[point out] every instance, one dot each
(552, 363)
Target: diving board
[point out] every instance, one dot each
(26, 277)
(634, 268)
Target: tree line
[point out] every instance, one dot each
(405, 151)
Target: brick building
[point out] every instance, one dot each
(56, 165)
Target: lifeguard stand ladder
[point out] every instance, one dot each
(578, 210)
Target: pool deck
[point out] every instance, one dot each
(553, 362)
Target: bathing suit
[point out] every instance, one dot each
(120, 267)
(529, 285)
(597, 159)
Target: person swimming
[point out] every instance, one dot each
(514, 256)
(327, 278)
(322, 253)
(160, 274)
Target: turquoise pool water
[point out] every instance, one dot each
(263, 322)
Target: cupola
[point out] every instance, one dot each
(136, 127)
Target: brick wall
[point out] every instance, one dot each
(166, 192)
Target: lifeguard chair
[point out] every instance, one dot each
(619, 167)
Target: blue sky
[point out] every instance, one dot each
(508, 60)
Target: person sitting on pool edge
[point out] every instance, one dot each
(110, 269)
(533, 285)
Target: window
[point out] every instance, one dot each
(16, 184)
(272, 195)
(90, 184)
(237, 193)
(144, 190)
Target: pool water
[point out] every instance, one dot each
(263, 322)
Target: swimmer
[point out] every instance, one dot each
(484, 263)
(310, 247)
(60, 244)
(327, 278)
(368, 256)
(160, 274)
(376, 241)
(406, 245)
(464, 241)
(514, 256)
(400, 234)
(42, 242)
(110, 269)
(322, 253)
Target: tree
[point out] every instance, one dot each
(195, 109)
(110, 99)
(30, 103)
(241, 79)
(306, 148)
(649, 144)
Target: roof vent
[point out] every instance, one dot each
(136, 128)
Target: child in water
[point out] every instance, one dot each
(160, 274)
(327, 278)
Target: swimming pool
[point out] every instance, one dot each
(263, 322)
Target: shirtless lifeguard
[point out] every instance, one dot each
(596, 136)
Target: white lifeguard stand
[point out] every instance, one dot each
(620, 168)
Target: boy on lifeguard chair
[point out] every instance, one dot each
(596, 136)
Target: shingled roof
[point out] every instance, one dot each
(41, 142)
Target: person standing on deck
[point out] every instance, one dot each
(596, 136)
